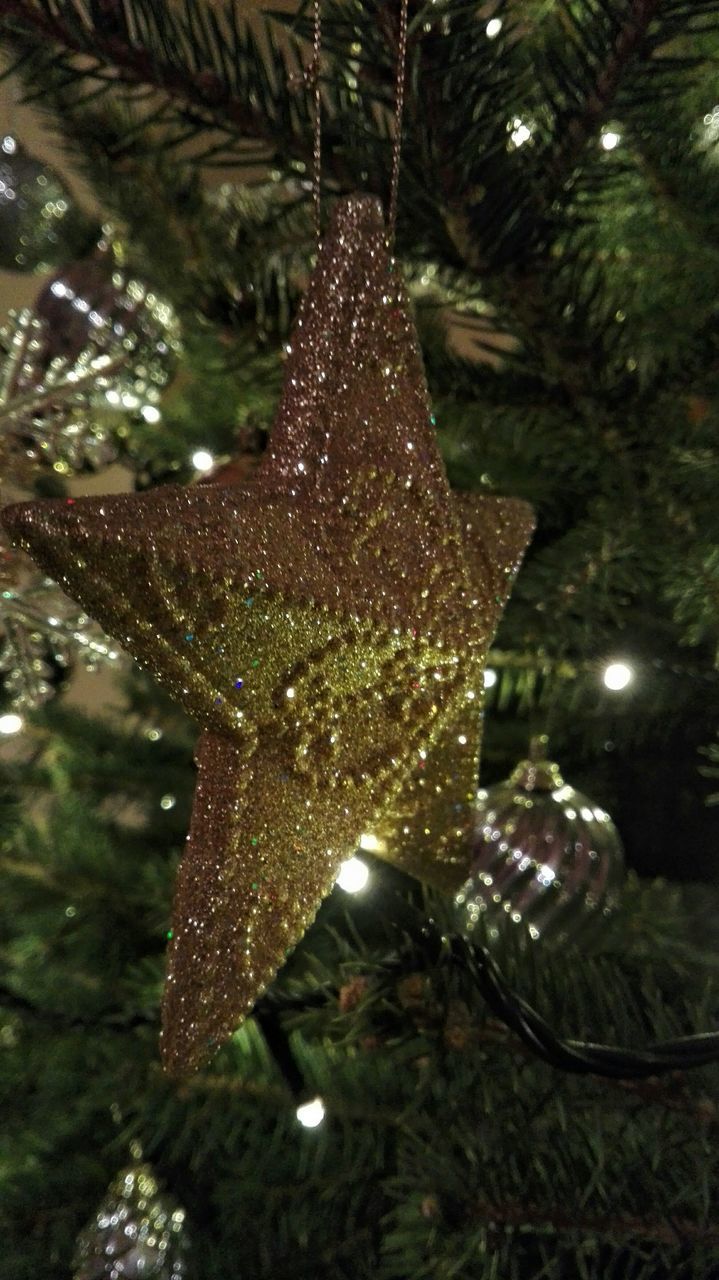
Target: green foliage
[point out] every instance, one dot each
(566, 300)
(447, 1149)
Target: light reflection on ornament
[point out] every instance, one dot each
(371, 844)
(545, 856)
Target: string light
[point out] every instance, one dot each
(167, 802)
(519, 132)
(150, 413)
(310, 1114)
(493, 28)
(202, 460)
(710, 132)
(617, 675)
(490, 677)
(353, 875)
(11, 723)
(610, 139)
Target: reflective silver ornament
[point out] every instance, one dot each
(545, 856)
(39, 223)
(137, 1234)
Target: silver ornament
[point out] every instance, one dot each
(137, 1233)
(39, 223)
(545, 856)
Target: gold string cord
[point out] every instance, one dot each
(398, 115)
(399, 92)
(317, 149)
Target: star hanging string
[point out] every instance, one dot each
(326, 624)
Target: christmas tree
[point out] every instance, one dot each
(488, 1052)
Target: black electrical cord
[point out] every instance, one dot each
(575, 1055)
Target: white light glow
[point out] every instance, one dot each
(493, 28)
(617, 675)
(9, 145)
(610, 140)
(310, 1114)
(353, 875)
(370, 843)
(490, 677)
(202, 460)
(11, 723)
(519, 132)
(150, 413)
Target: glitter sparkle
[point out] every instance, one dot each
(376, 593)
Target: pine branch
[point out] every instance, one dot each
(627, 1227)
(582, 126)
(202, 89)
(216, 78)
(14, 1003)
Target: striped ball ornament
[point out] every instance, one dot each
(545, 857)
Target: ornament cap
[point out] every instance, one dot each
(537, 773)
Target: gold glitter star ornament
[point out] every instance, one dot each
(326, 623)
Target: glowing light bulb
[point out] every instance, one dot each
(150, 413)
(202, 460)
(310, 1114)
(353, 875)
(493, 28)
(490, 677)
(617, 675)
(11, 723)
(610, 139)
(519, 132)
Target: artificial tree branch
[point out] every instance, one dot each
(567, 358)
(202, 90)
(582, 125)
(203, 95)
(618, 1226)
